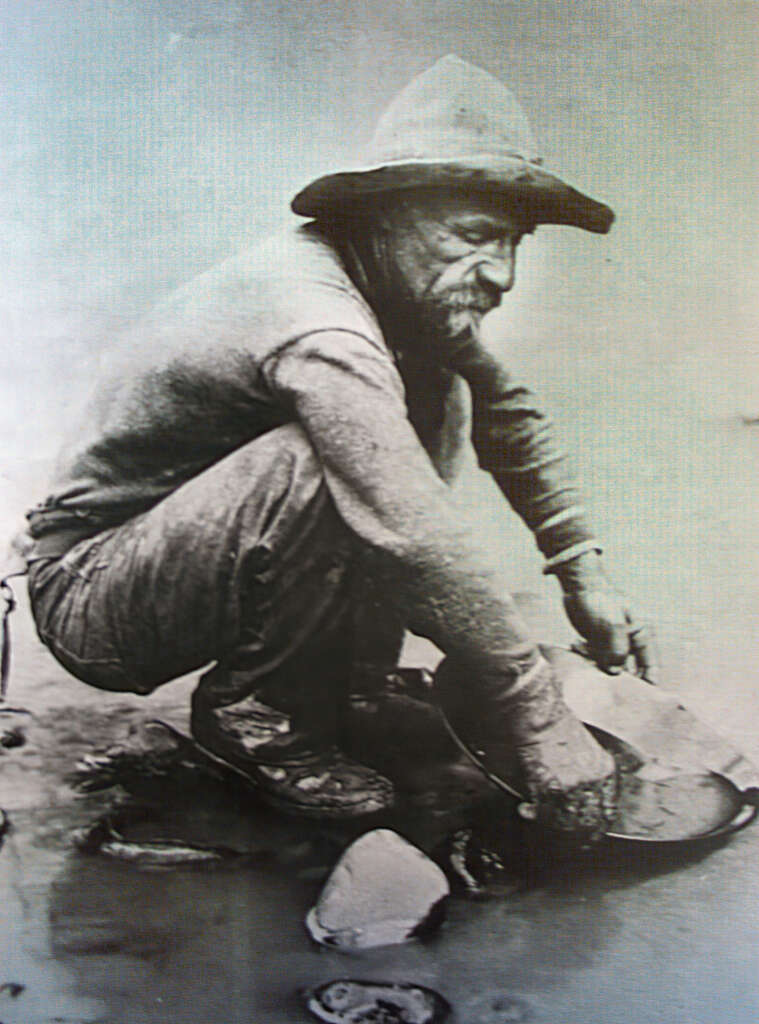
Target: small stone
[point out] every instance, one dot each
(149, 751)
(12, 988)
(475, 868)
(12, 732)
(364, 1002)
(152, 737)
(381, 892)
(10, 738)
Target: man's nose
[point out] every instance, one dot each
(498, 268)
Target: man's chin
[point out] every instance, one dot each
(459, 332)
(448, 331)
(462, 322)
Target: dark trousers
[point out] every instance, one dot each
(248, 565)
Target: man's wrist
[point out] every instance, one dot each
(581, 572)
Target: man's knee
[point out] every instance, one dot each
(279, 483)
(73, 632)
(253, 543)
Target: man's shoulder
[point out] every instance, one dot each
(295, 250)
(289, 285)
(296, 279)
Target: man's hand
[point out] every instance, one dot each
(570, 779)
(603, 617)
(518, 728)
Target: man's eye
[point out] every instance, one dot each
(485, 237)
(476, 236)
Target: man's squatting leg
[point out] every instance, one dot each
(248, 564)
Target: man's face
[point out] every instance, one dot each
(455, 255)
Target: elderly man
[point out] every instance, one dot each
(264, 482)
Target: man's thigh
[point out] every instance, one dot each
(249, 554)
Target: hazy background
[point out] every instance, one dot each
(143, 141)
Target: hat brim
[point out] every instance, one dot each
(549, 199)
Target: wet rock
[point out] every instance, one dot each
(150, 751)
(107, 839)
(12, 988)
(382, 891)
(475, 868)
(155, 756)
(362, 1002)
(10, 738)
(165, 853)
(12, 732)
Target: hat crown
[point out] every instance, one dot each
(452, 110)
(454, 126)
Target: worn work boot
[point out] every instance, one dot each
(295, 772)
(393, 720)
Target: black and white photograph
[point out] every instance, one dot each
(379, 533)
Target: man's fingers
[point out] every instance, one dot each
(643, 650)
(611, 657)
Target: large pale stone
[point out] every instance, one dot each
(382, 891)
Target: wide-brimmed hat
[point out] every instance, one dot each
(455, 126)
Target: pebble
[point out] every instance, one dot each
(10, 738)
(364, 1002)
(12, 988)
(12, 731)
(105, 839)
(381, 892)
(150, 751)
(474, 868)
